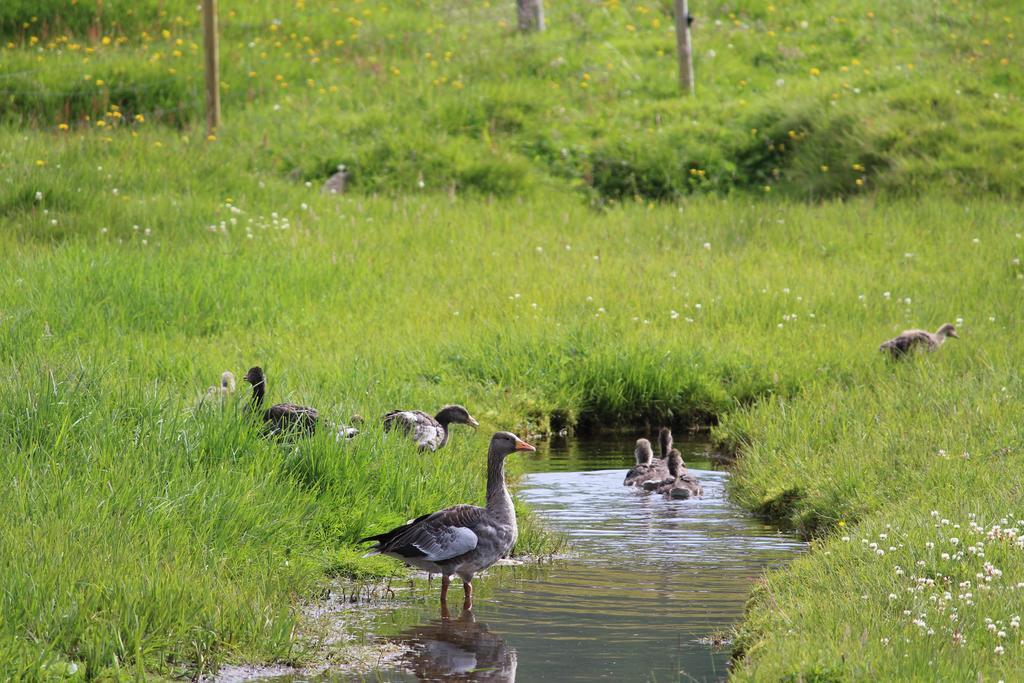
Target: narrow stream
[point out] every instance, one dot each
(650, 581)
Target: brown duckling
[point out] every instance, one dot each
(910, 340)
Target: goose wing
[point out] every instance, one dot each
(437, 537)
(424, 429)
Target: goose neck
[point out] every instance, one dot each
(499, 501)
(258, 389)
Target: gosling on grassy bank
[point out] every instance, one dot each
(280, 417)
(227, 385)
(911, 340)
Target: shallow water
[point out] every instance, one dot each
(651, 579)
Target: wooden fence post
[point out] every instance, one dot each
(683, 20)
(211, 48)
(531, 15)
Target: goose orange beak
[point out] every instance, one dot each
(523, 446)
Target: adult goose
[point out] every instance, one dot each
(429, 433)
(909, 340)
(280, 417)
(646, 468)
(464, 539)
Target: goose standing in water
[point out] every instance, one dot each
(909, 340)
(280, 417)
(429, 433)
(464, 539)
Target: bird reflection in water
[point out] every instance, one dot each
(460, 649)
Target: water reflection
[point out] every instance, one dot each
(461, 649)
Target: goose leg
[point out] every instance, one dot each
(467, 586)
(444, 589)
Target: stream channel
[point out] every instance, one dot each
(649, 583)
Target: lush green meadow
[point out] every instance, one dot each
(540, 230)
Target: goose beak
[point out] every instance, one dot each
(472, 422)
(954, 335)
(523, 446)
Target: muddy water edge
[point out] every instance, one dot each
(650, 588)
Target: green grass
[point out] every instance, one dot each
(904, 99)
(143, 535)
